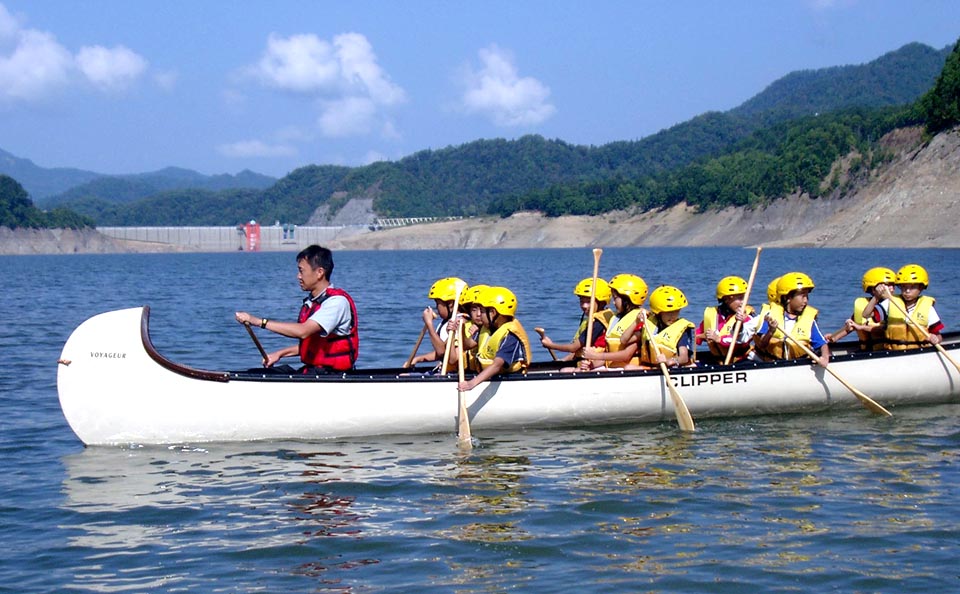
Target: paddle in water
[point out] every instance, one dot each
(868, 402)
(464, 437)
(684, 418)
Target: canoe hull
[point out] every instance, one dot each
(114, 391)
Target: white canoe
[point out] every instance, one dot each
(115, 388)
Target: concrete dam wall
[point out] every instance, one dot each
(231, 239)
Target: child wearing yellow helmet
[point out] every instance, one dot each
(869, 330)
(905, 312)
(674, 335)
(444, 293)
(601, 319)
(794, 317)
(476, 331)
(719, 321)
(507, 350)
(628, 291)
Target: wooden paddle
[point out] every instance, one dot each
(542, 332)
(452, 335)
(464, 439)
(743, 308)
(684, 419)
(256, 341)
(409, 362)
(597, 252)
(416, 347)
(868, 402)
(926, 335)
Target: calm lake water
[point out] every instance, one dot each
(846, 502)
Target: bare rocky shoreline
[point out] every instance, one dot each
(913, 201)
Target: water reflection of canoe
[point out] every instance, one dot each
(118, 389)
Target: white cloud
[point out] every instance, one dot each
(359, 68)
(110, 69)
(353, 91)
(499, 93)
(255, 148)
(301, 63)
(34, 65)
(349, 116)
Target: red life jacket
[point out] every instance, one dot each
(332, 351)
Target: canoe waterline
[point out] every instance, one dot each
(115, 388)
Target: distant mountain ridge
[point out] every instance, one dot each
(41, 182)
(894, 78)
(53, 186)
(467, 179)
(129, 188)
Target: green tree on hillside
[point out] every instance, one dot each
(941, 105)
(17, 210)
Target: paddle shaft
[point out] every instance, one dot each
(597, 252)
(416, 347)
(922, 330)
(868, 402)
(684, 419)
(464, 439)
(542, 333)
(452, 335)
(256, 341)
(743, 308)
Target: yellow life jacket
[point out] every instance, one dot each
(711, 316)
(902, 335)
(487, 351)
(667, 340)
(615, 330)
(603, 317)
(867, 342)
(764, 310)
(473, 361)
(779, 347)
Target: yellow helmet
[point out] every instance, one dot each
(445, 289)
(772, 291)
(793, 281)
(501, 299)
(630, 286)
(731, 285)
(913, 273)
(876, 276)
(472, 295)
(667, 298)
(583, 289)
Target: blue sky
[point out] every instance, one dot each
(119, 86)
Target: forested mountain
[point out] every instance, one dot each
(128, 188)
(794, 156)
(755, 148)
(17, 210)
(896, 78)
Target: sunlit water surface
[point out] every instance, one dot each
(845, 501)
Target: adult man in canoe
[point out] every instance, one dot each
(327, 324)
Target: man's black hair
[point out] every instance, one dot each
(318, 257)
